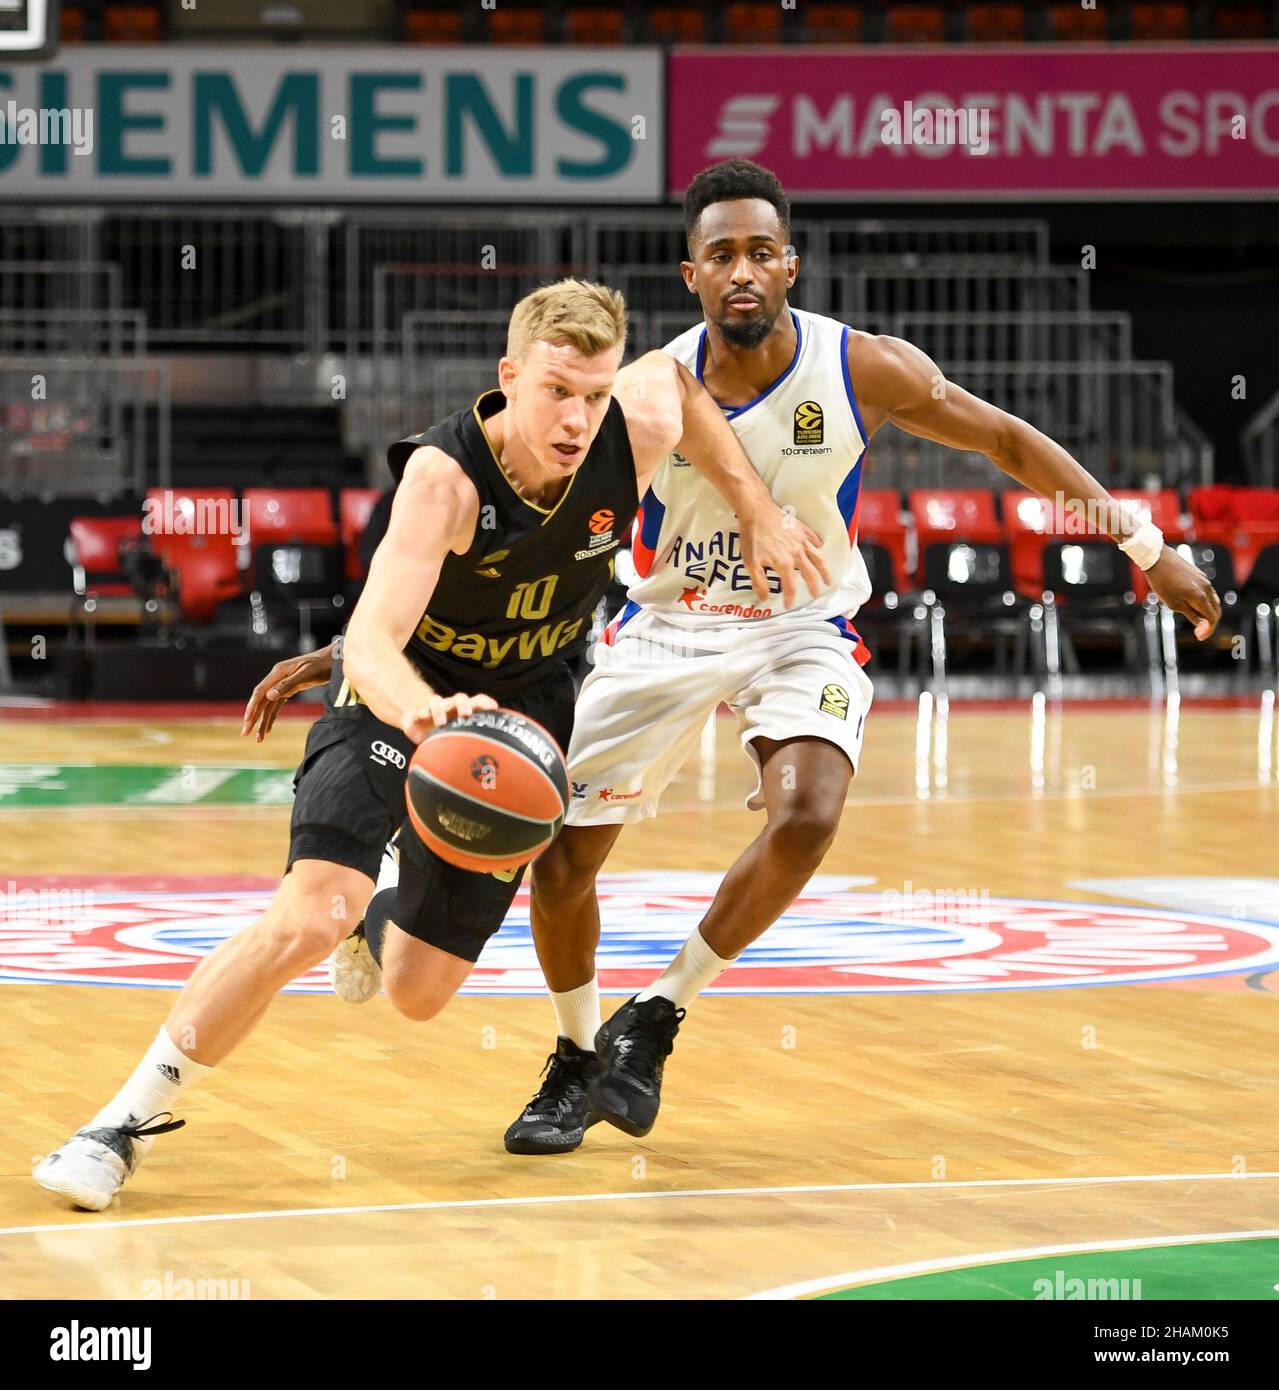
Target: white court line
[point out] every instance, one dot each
(482, 1202)
(835, 1282)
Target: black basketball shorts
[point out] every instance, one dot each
(349, 802)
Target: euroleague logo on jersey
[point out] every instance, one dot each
(835, 938)
(810, 423)
(602, 540)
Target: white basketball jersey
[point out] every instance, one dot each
(805, 438)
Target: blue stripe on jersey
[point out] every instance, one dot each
(652, 514)
(626, 615)
(846, 497)
(848, 385)
(734, 411)
(846, 629)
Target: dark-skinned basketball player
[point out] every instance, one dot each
(482, 592)
(804, 394)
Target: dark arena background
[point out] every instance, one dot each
(1015, 1039)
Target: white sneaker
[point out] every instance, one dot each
(90, 1168)
(355, 975)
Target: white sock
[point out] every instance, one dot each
(577, 1013)
(688, 974)
(154, 1087)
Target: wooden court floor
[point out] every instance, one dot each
(804, 1137)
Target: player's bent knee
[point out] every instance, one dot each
(805, 831)
(572, 861)
(415, 1001)
(304, 933)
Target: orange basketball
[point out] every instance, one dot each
(488, 792)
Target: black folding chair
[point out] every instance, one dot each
(968, 590)
(1088, 592)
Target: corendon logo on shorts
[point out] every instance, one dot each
(834, 939)
(695, 601)
(608, 794)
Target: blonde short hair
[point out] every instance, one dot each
(589, 317)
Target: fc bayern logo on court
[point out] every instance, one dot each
(837, 938)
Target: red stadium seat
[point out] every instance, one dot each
(1071, 23)
(71, 24)
(524, 24)
(355, 506)
(996, 23)
(1244, 518)
(190, 529)
(1160, 23)
(132, 24)
(95, 544)
(752, 21)
(953, 514)
(296, 514)
(1030, 523)
(1241, 21)
(832, 23)
(879, 519)
(433, 26)
(675, 24)
(1163, 508)
(916, 23)
(595, 24)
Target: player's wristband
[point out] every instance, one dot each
(1144, 546)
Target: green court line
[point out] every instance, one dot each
(61, 784)
(1247, 1269)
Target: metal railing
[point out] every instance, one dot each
(464, 261)
(114, 333)
(1117, 418)
(45, 285)
(1020, 337)
(221, 277)
(914, 241)
(446, 360)
(958, 289)
(1259, 440)
(83, 426)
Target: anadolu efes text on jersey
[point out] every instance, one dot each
(805, 437)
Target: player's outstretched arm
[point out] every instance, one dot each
(284, 679)
(902, 384)
(667, 408)
(436, 510)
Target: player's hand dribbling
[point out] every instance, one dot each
(439, 710)
(777, 540)
(1185, 590)
(283, 680)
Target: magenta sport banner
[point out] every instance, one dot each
(1192, 121)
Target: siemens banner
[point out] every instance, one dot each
(277, 123)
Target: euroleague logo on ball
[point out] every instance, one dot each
(831, 940)
(484, 769)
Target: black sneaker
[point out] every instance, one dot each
(633, 1047)
(555, 1120)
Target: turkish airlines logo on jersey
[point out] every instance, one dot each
(834, 939)
(810, 423)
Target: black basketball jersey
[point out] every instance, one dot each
(519, 603)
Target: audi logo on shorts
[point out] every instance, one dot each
(383, 753)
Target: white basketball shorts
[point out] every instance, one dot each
(642, 709)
